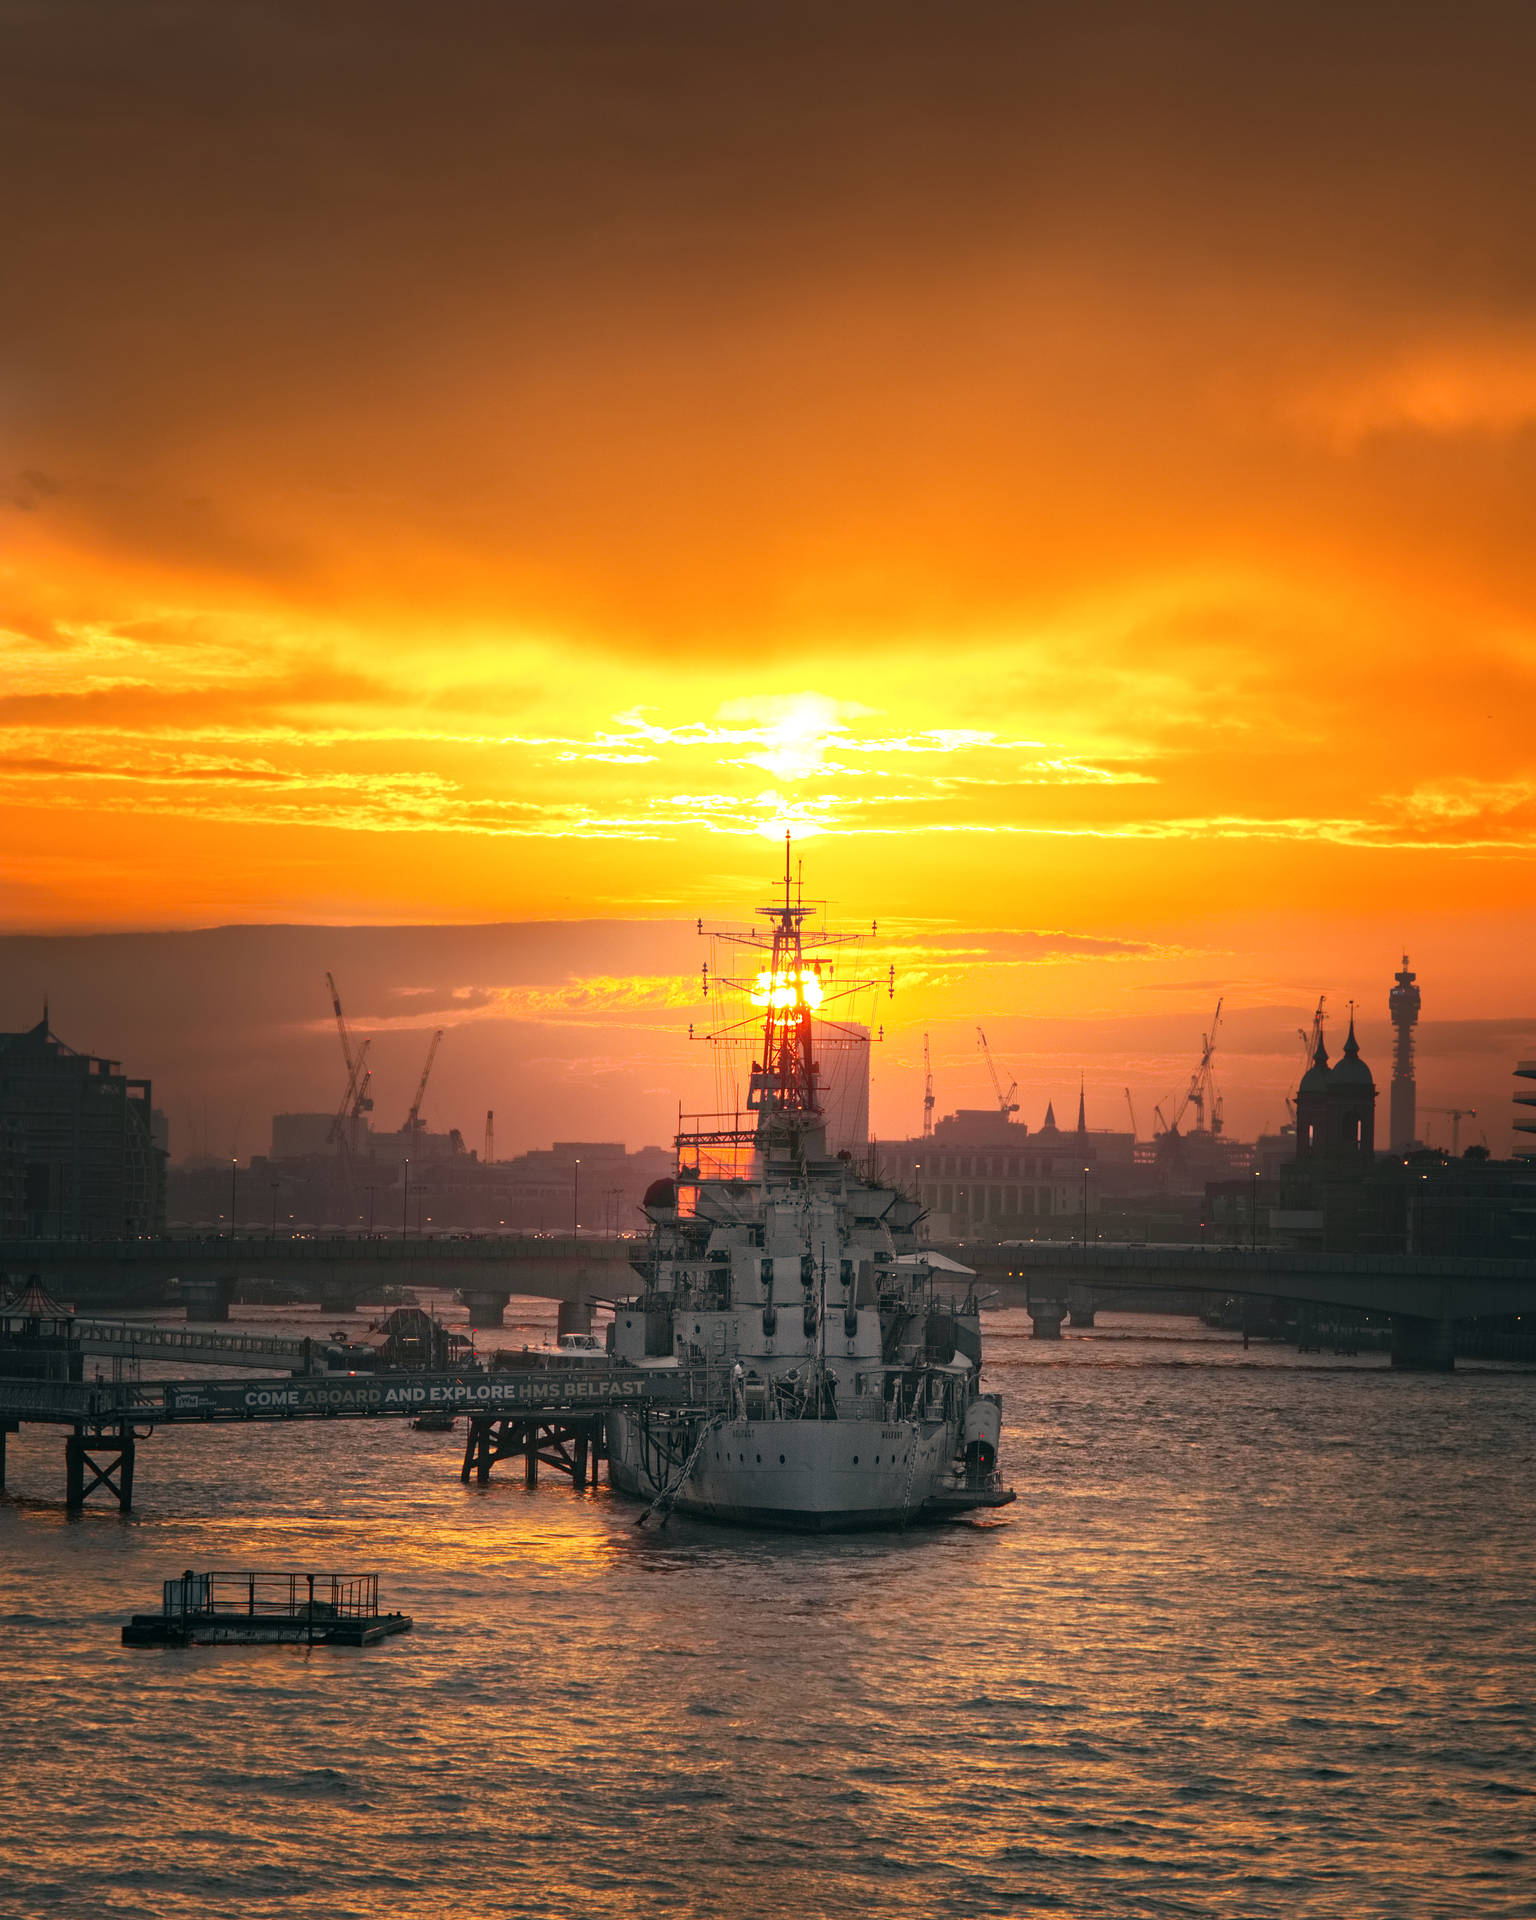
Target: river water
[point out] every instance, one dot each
(1256, 1640)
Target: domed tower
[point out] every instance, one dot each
(1312, 1107)
(1403, 1005)
(1352, 1106)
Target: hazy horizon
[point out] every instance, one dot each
(580, 1029)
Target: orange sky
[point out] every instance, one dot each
(498, 462)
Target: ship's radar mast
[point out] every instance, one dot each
(791, 982)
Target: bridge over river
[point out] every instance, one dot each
(336, 1271)
(1426, 1294)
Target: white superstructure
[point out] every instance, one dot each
(844, 1383)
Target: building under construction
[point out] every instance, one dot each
(78, 1150)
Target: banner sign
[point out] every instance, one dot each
(385, 1393)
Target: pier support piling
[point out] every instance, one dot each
(1047, 1316)
(572, 1444)
(6, 1427)
(93, 1460)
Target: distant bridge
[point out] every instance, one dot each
(1425, 1293)
(337, 1272)
(1425, 1286)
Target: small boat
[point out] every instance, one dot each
(434, 1420)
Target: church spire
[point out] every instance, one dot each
(1082, 1112)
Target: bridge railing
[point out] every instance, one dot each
(102, 1335)
(990, 1255)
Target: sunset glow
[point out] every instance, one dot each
(1004, 490)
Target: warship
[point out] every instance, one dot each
(843, 1372)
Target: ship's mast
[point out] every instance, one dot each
(783, 1088)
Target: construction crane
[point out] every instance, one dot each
(1006, 1103)
(1131, 1109)
(413, 1121)
(1309, 1046)
(1455, 1115)
(357, 1098)
(1201, 1093)
(927, 1091)
(354, 1100)
(489, 1155)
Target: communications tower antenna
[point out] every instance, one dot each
(489, 1156)
(927, 1091)
(1403, 1006)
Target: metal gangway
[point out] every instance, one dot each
(138, 1340)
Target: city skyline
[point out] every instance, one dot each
(526, 534)
(235, 1025)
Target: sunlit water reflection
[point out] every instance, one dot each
(1255, 1640)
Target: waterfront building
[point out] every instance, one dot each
(83, 1134)
(1525, 1118)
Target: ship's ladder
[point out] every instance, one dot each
(665, 1499)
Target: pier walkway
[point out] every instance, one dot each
(198, 1346)
(553, 1414)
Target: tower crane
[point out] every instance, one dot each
(1006, 1103)
(1455, 1115)
(1201, 1093)
(355, 1100)
(1131, 1108)
(927, 1091)
(357, 1097)
(413, 1118)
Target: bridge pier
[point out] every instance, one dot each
(108, 1458)
(486, 1304)
(1422, 1346)
(207, 1301)
(1047, 1316)
(339, 1297)
(1080, 1309)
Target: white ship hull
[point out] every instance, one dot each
(804, 1476)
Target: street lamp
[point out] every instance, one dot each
(371, 1192)
(405, 1199)
(1253, 1212)
(1085, 1207)
(234, 1167)
(274, 1209)
(576, 1200)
